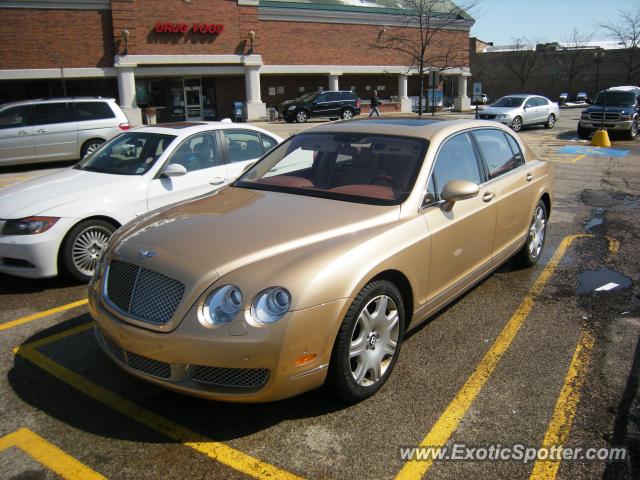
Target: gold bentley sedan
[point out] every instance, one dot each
(309, 269)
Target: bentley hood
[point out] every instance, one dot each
(235, 227)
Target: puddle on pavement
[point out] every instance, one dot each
(602, 280)
(596, 220)
(605, 199)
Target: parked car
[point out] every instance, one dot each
(311, 266)
(480, 99)
(57, 129)
(563, 98)
(332, 104)
(621, 109)
(582, 97)
(518, 111)
(64, 220)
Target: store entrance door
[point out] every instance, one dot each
(193, 99)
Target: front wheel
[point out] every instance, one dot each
(301, 116)
(347, 114)
(633, 131)
(368, 343)
(531, 251)
(551, 121)
(516, 125)
(83, 247)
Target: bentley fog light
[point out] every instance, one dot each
(222, 306)
(270, 305)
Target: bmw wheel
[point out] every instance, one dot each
(368, 342)
(301, 116)
(83, 247)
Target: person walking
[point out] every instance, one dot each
(375, 102)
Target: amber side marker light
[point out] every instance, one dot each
(303, 360)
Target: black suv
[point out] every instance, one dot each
(620, 107)
(332, 104)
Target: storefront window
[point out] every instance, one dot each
(166, 94)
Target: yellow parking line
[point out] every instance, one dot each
(46, 313)
(452, 416)
(48, 455)
(562, 419)
(216, 450)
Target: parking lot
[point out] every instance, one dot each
(528, 357)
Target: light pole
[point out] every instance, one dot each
(598, 55)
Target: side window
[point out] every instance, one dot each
(321, 98)
(515, 148)
(48, 113)
(267, 142)
(496, 151)
(15, 117)
(530, 103)
(456, 160)
(333, 97)
(93, 111)
(243, 145)
(197, 152)
(541, 102)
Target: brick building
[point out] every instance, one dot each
(192, 58)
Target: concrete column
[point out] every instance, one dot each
(462, 102)
(405, 101)
(127, 90)
(334, 83)
(256, 109)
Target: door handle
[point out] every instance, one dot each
(23, 132)
(529, 176)
(487, 197)
(217, 181)
(42, 130)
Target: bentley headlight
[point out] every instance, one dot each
(270, 305)
(222, 306)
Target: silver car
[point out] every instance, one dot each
(517, 111)
(57, 129)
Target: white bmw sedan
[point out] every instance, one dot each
(63, 221)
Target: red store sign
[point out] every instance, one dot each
(208, 28)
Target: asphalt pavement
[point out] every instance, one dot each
(528, 357)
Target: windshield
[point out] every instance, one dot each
(355, 167)
(509, 102)
(610, 97)
(131, 153)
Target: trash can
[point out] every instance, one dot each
(238, 112)
(151, 113)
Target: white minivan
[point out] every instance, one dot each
(57, 129)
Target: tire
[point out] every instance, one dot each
(516, 125)
(347, 114)
(90, 146)
(583, 133)
(551, 121)
(360, 366)
(633, 131)
(531, 251)
(302, 116)
(83, 246)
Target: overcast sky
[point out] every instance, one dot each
(498, 21)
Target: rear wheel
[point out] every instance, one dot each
(83, 247)
(347, 114)
(583, 133)
(516, 125)
(551, 121)
(633, 131)
(301, 116)
(90, 146)
(368, 342)
(531, 251)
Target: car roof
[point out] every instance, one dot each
(522, 95)
(625, 88)
(189, 128)
(56, 99)
(402, 126)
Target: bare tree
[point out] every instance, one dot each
(579, 56)
(423, 41)
(627, 32)
(522, 60)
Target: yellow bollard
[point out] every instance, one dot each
(600, 139)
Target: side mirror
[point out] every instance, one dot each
(174, 170)
(456, 190)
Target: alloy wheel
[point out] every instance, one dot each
(88, 247)
(537, 232)
(517, 124)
